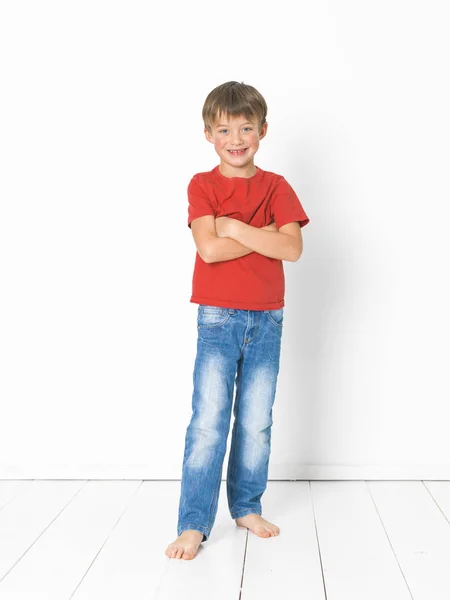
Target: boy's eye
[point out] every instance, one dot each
(222, 130)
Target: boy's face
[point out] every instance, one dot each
(236, 133)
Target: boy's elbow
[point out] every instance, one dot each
(295, 251)
(204, 256)
(297, 256)
(207, 254)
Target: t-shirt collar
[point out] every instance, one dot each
(254, 177)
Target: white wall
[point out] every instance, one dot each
(101, 132)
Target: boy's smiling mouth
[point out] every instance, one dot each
(237, 152)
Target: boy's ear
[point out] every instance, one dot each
(263, 131)
(208, 136)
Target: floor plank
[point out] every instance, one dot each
(287, 565)
(440, 492)
(358, 561)
(419, 534)
(9, 489)
(55, 563)
(27, 517)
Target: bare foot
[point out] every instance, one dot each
(186, 545)
(258, 525)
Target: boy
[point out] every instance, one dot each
(238, 283)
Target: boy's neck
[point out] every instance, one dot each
(245, 171)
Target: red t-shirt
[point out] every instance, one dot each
(254, 281)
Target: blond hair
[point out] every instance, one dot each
(234, 99)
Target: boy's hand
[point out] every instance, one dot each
(223, 225)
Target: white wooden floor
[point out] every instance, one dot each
(339, 540)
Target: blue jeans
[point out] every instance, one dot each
(231, 343)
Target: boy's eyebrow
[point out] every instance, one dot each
(244, 123)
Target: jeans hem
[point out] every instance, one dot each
(244, 513)
(206, 532)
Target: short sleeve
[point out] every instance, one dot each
(285, 205)
(199, 204)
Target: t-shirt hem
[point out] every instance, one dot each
(199, 214)
(238, 305)
(286, 220)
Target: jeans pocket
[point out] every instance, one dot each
(211, 316)
(276, 316)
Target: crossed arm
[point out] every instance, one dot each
(233, 239)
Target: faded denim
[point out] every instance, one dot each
(241, 346)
